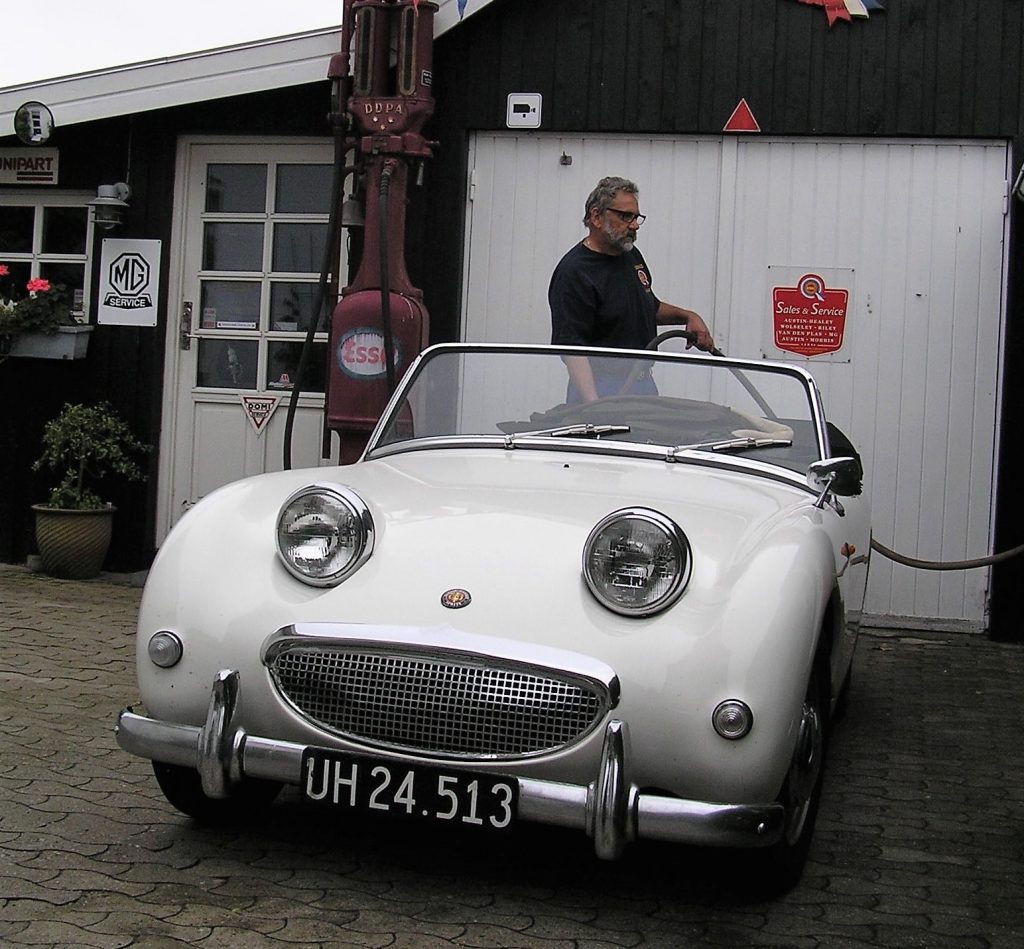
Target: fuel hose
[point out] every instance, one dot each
(915, 562)
(321, 293)
(987, 561)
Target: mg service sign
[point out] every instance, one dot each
(129, 282)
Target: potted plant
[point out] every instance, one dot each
(39, 322)
(82, 445)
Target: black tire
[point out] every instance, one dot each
(183, 788)
(777, 869)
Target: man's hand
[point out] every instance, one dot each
(677, 315)
(696, 325)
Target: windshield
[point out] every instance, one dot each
(669, 404)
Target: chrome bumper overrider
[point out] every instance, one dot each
(609, 809)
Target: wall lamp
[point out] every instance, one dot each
(110, 204)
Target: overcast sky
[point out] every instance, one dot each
(43, 39)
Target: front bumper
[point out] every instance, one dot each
(609, 809)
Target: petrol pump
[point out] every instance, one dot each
(380, 324)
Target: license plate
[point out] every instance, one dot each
(420, 792)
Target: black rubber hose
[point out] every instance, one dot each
(321, 293)
(892, 555)
(946, 564)
(385, 276)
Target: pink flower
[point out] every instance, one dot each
(3, 270)
(37, 284)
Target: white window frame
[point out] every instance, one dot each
(39, 200)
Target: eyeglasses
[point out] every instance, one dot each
(628, 217)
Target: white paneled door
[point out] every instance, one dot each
(250, 231)
(914, 231)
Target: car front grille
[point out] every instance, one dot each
(447, 706)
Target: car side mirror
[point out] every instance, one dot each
(842, 477)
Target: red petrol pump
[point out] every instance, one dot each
(380, 324)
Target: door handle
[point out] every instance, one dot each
(185, 326)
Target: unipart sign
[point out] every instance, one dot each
(360, 354)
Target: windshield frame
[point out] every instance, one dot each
(375, 449)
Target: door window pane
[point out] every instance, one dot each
(64, 230)
(283, 366)
(229, 304)
(236, 189)
(229, 245)
(303, 189)
(291, 307)
(227, 363)
(16, 229)
(299, 248)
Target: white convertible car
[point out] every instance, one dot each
(633, 616)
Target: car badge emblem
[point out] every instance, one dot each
(455, 599)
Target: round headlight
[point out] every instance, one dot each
(636, 561)
(324, 534)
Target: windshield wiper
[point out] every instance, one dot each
(729, 444)
(582, 430)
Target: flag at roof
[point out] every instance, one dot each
(846, 9)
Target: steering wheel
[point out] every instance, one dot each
(637, 369)
(634, 373)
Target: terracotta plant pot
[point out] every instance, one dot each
(73, 544)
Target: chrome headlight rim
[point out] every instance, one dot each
(732, 719)
(360, 512)
(674, 533)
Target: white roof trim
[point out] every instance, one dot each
(193, 77)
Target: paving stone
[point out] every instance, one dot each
(920, 838)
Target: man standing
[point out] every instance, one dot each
(600, 292)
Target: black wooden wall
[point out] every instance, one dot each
(922, 67)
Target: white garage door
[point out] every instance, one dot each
(913, 230)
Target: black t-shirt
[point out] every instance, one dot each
(602, 300)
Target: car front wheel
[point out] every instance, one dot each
(777, 869)
(184, 789)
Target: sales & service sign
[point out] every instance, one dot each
(810, 318)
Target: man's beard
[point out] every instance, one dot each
(623, 243)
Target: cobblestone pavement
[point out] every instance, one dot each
(920, 840)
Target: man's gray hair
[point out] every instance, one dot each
(604, 194)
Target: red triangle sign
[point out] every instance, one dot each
(742, 119)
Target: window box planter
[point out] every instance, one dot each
(69, 342)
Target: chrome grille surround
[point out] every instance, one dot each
(433, 701)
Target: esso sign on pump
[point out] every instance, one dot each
(360, 354)
(358, 386)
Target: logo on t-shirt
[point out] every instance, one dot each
(642, 275)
